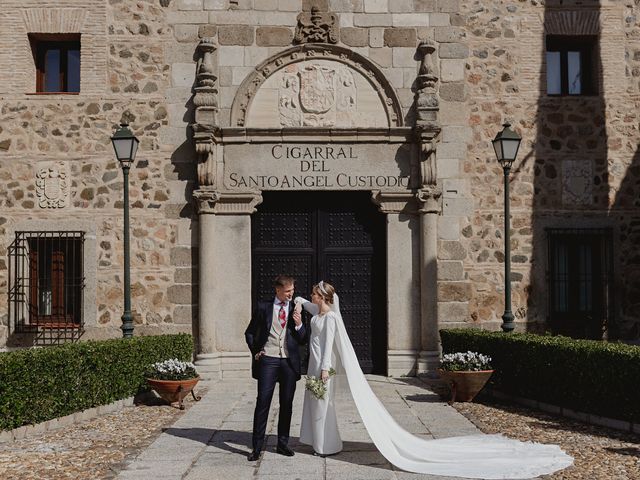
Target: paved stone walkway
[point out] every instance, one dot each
(211, 441)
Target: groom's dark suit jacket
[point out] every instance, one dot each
(257, 334)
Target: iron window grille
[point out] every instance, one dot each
(47, 283)
(579, 275)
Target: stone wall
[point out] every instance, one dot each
(125, 76)
(577, 161)
(576, 158)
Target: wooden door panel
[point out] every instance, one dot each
(336, 237)
(351, 276)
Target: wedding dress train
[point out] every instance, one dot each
(474, 456)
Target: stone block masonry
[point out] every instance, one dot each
(577, 164)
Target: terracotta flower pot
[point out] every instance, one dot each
(174, 390)
(465, 384)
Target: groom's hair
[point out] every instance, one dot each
(283, 281)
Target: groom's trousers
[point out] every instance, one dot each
(273, 370)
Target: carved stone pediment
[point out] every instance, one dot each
(317, 27)
(316, 85)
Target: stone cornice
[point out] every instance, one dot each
(209, 201)
(394, 202)
(317, 135)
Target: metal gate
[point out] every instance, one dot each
(332, 236)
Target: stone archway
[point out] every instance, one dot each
(317, 118)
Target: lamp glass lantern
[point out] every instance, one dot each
(125, 145)
(506, 145)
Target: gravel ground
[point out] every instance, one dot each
(599, 453)
(94, 449)
(100, 448)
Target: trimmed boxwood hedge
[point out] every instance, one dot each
(587, 376)
(45, 383)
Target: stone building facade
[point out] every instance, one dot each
(264, 123)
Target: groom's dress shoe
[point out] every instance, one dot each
(284, 450)
(253, 456)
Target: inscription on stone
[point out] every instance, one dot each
(318, 167)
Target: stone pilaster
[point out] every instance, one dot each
(225, 279)
(403, 306)
(429, 199)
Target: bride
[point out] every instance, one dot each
(474, 456)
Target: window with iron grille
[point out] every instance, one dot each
(47, 282)
(579, 274)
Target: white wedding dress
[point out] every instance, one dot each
(474, 456)
(319, 426)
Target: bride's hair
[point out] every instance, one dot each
(325, 290)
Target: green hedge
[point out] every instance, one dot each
(584, 375)
(45, 383)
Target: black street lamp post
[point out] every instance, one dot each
(506, 146)
(125, 145)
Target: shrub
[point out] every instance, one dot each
(584, 375)
(45, 383)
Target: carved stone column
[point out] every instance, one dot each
(403, 305)
(429, 196)
(224, 279)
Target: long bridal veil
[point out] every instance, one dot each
(474, 456)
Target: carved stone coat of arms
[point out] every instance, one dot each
(52, 187)
(317, 95)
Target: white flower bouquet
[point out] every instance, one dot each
(316, 386)
(172, 369)
(465, 361)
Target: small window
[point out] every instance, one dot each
(580, 274)
(57, 59)
(46, 295)
(571, 65)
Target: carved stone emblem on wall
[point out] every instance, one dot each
(337, 67)
(317, 27)
(318, 96)
(577, 184)
(52, 186)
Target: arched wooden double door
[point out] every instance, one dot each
(338, 237)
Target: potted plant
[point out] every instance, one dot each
(173, 380)
(466, 373)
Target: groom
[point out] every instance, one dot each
(273, 337)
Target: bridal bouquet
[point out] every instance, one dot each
(316, 386)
